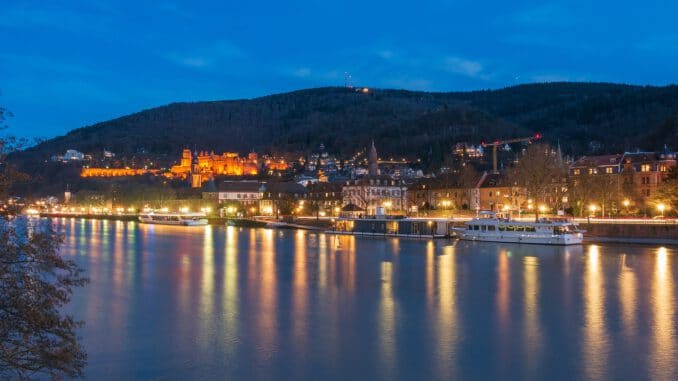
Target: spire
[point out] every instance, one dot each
(373, 161)
(560, 154)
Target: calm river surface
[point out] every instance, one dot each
(218, 303)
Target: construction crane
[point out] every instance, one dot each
(498, 143)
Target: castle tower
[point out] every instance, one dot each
(372, 161)
(196, 177)
(186, 158)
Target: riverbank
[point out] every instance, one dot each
(639, 233)
(663, 234)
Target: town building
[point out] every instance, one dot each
(607, 179)
(247, 193)
(71, 155)
(373, 190)
(325, 197)
(283, 198)
(643, 172)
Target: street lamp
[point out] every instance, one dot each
(626, 204)
(661, 207)
(593, 209)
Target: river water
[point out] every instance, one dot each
(226, 303)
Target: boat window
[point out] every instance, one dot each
(530, 229)
(476, 227)
(510, 228)
(490, 228)
(483, 227)
(520, 228)
(502, 228)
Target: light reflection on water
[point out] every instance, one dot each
(229, 303)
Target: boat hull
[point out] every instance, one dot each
(564, 239)
(198, 222)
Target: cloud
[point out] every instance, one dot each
(302, 72)
(463, 66)
(385, 54)
(207, 56)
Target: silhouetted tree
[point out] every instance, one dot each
(539, 172)
(36, 338)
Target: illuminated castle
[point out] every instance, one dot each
(200, 166)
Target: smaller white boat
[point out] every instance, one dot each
(180, 219)
(489, 226)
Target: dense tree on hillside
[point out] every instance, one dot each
(587, 118)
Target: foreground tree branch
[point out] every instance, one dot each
(36, 339)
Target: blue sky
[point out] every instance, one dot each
(67, 64)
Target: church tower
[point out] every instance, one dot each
(196, 177)
(372, 160)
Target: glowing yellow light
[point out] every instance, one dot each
(164, 210)
(593, 208)
(32, 211)
(530, 206)
(626, 203)
(542, 208)
(387, 204)
(661, 207)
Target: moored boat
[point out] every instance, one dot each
(381, 226)
(491, 227)
(168, 218)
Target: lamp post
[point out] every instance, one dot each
(661, 207)
(592, 208)
(626, 204)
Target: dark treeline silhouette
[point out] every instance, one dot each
(587, 118)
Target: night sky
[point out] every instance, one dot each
(73, 63)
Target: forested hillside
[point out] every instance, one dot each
(586, 118)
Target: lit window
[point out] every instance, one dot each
(645, 168)
(608, 170)
(576, 172)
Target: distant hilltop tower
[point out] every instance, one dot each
(372, 160)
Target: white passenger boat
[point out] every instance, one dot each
(181, 219)
(490, 226)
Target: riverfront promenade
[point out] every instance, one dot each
(639, 231)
